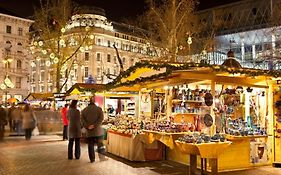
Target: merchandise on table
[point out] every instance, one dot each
(201, 138)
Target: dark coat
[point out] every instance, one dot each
(74, 125)
(3, 120)
(28, 119)
(92, 115)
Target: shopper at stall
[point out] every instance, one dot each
(29, 121)
(3, 122)
(64, 121)
(92, 117)
(74, 130)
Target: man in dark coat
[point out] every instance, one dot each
(92, 117)
(3, 122)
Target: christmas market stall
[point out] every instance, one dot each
(210, 107)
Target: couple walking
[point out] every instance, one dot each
(91, 119)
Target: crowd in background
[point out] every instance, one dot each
(20, 118)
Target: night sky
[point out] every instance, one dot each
(116, 10)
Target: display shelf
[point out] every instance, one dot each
(186, 101)
(177, 113)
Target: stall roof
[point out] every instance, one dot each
(77, 88)
(171, 74)
(39, 96)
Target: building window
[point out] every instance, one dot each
(86, 72)
(98, 71)
(42, 76)
(98, 41)
(33, 77)
(8, 29)
(98, 56)
(20, 31)
(115, 59)
(19, 64)
(8, 65)
(42, 63)
(108, 70)
(124, 60)
(18, 82)
(50, 88)
(108, 58)
(41, 88)
(132, 61)
(108, 43)
(114, 71)
(86, 56)
(33, 89)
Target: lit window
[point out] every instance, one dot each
(86, 71)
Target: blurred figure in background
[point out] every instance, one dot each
(74, 130)
(3, 122)
(92, 117)
(15, 115)
(29, 121)
(64, 121)
(10, 118)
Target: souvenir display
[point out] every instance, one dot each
(239, 127)
(201, 138)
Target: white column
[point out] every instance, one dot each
(254, 52)
(242, 50)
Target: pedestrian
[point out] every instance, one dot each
(74, 130)
(92, 117)
(15, 115)
(28, 121)
(10, 117)
(64, 121)
(3, 122)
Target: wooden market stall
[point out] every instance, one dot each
(241, 94)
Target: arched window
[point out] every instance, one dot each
(8, 42)
(18, 63)
(19, 44)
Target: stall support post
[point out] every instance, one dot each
(213, 92)
(193, 164)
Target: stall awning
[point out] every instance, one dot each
(78, 88)
(38, 96)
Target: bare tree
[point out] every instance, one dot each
(56, 40)
(171, 25)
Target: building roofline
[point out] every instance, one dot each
(16, 17)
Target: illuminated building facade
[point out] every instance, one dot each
(14, 65)
(98, 60)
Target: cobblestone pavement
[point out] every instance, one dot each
(47, 155)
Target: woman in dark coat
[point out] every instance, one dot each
(74, 130)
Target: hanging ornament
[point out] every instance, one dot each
(48, 63)
(62, 30)
(56, 60)
(52, 55)
(62, 42)
(40, 43)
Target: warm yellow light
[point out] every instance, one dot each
(189, 40)
(62, 30)
(52, 55)
(48, 63)
(56, 60)
(40, 43)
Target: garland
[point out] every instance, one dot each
(180, 66)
